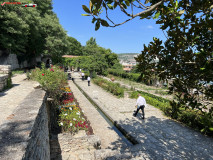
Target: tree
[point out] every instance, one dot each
(91, 47)
(29, 32)
(14, 29)
(74, 47)
(186, 56)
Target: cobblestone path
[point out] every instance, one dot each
(11, 98)
(158, 136)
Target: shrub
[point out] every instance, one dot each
(51, 80)
(123, 74)
(114, 88)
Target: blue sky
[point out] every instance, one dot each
(127, 38)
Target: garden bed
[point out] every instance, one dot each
(71, 117)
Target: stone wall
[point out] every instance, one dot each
(25, 133)
(3, 81)
(38, 146)
(10, 59)
(4, 75)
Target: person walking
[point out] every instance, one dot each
(82, 75)
(141, 103)
(88, 79)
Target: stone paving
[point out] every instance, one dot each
(11, 98)
(100, 127)
(159, 137)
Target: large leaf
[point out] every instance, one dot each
(104, 23)
(97, 25)
(93, 20)
(85, 9)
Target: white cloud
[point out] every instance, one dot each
(150, 27)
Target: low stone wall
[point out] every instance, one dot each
(5, 69)
(3, 81)
(25, 134)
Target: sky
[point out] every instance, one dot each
(127, 38)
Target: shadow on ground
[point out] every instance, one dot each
(166, 139)
(11, 138)
(3, 93)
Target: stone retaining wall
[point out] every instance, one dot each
(3, 81)
(5, 70)
(25, 133)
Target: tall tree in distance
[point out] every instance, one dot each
(74, 47)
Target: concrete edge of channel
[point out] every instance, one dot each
(117, 125)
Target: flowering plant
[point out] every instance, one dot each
(51, 80)
(71, 117)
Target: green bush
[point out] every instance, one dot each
(120, 73)
(114, 88)
(51, 80)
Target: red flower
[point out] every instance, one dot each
(42, 74)
(51, 70)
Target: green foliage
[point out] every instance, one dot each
(74, 47)
(95, 58)
(51, 80)
(9, 81)
(120, 73)
(29, 32)
(17, 72)
(114, 88)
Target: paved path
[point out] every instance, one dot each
(100, 127)
(159, 137)
(11, 98)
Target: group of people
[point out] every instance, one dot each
(83, 76)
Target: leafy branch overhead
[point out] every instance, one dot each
(128, 7)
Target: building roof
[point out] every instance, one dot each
(69, 56)
(127, 69)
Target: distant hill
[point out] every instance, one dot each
(127, 57)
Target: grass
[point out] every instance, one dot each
(139, 85)
(17, 72)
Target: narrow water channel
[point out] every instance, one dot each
(124, 136)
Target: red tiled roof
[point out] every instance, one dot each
(127, 69)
